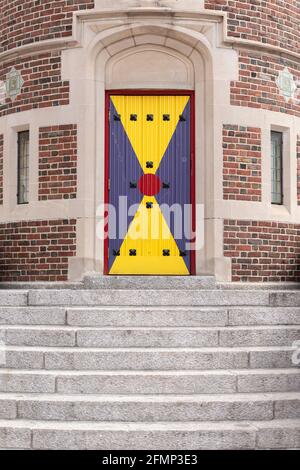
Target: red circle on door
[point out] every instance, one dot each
(149, 184)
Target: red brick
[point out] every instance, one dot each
(42, 92)
(273, 22)
(26, 21)
(24, 252)
(262, 257)
(57, 174)
(250, 91)
(241, 177)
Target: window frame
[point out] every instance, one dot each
(280, 198)
(23, 169)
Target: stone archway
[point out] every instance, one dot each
(163, 63)
(183, 39)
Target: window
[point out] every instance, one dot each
(23, 167)
(277, 167)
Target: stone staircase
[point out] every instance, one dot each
(152, 363)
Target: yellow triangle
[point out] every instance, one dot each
(150, 139)
(149, 235)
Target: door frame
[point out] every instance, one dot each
(153, 92)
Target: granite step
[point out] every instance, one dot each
(45, 435)
(132, 297)
(159, 337)
(149, 282)
(150, 382)
(150, 408)
(65, 358)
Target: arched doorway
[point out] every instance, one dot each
(151, 59)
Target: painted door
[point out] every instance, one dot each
(149, 186)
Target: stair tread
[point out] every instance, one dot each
(240, 407)
(200, 308)
(157, 398)
(76, 349)
(146, 373)
(234, 289)
(147, 328)
(155, 426)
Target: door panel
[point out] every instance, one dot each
(149, 171)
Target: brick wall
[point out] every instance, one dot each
(26, 21)
(58, 162)
(298, 169)
(1, 169)
(242, 163)
(36, 251)
(42, 87)
(262, 251)
(257, 86)
(274, 22)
